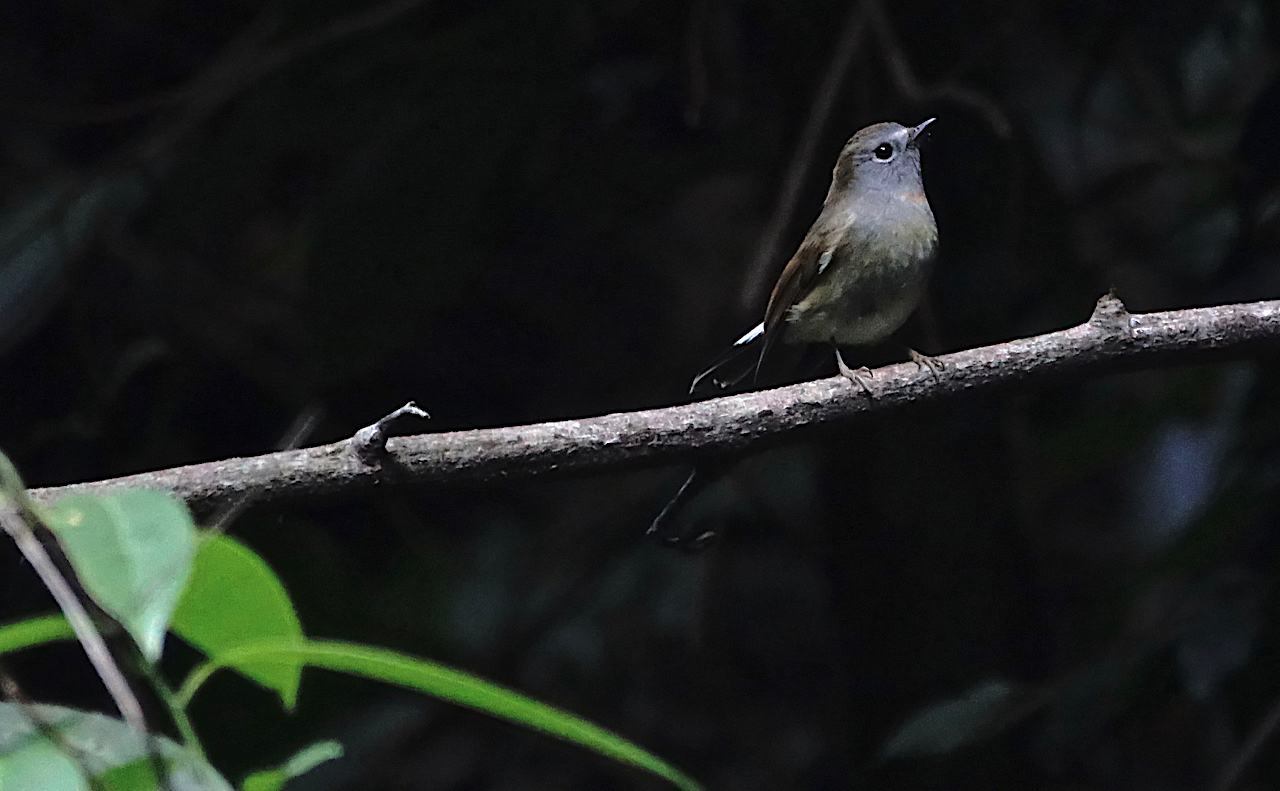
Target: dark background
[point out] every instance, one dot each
(216, 223)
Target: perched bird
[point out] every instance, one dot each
(862, 267)
(859, 273)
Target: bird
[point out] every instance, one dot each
(861, 270)
(857, 276)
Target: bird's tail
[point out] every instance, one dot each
(736, 363)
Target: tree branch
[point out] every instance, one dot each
(1112, 340)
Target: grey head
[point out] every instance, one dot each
(881, 158)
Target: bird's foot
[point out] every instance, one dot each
(860, 377)
(925, 361)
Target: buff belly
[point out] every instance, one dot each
(859, 305)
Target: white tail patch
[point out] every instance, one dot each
(752, 334)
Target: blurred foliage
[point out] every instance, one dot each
(212, 226)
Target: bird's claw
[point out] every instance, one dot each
(860, 377)
(923, 361)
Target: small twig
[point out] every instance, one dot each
(905, 80)
(370, 442)
(659, 529)
(1248, 751)
(298, 432)
(695, 59)
(250, 60)
(244, 61)
(764, 263)
(181, 721)
(94, 646)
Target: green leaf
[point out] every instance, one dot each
(304, 761)
(34, 631)
(11, 484)
(132, 553)
(265, 780)
(235, 599)
(139, 775)
(40, 765)
(947, 726)
(52, 748)
(447, 684)
(309, 758)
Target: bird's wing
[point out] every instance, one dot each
(796, 280)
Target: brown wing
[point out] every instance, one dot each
(793, 284)
(796, 279)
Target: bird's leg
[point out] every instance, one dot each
(925, 361)
(860, 377)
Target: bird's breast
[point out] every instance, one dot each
(872, 281)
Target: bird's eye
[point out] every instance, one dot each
(883, 152)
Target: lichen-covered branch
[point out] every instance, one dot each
(1111, 340)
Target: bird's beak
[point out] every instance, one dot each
(916, 131)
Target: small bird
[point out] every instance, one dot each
(861, 269)
(859, 273)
